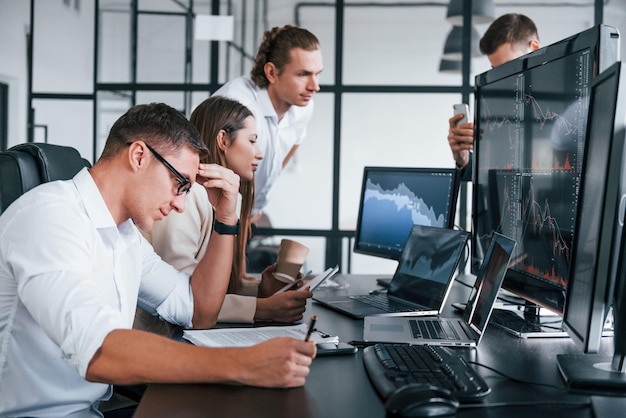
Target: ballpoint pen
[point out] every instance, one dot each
(362, 344)
(311, 327)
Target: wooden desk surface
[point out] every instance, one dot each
(338, 386)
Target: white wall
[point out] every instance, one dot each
(14, 18)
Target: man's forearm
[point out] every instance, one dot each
(132, 356)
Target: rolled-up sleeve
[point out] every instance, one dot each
(164, 291)
(78, 323)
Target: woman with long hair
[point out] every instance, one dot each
(229, 130)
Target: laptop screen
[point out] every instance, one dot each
(427, 265)
(488, 282)
(393, 199)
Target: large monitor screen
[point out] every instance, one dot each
(393, 199)
(599, 275)
(601, 216)
(531, 119)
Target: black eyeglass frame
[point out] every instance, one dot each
(183, 181)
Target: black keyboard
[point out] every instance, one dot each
(391, 366)
(383, 301)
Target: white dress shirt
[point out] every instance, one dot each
(68, 276)
(275, 139)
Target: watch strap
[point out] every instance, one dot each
(223, 229)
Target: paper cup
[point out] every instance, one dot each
(291, 257)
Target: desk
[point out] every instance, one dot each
(339, 387)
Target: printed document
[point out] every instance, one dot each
(245, 337)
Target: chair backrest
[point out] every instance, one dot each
(25, 166)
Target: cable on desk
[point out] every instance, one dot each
(584, 403)
(570, 391)
(514, 379)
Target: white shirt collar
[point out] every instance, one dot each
(96, 207)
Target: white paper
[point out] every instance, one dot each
(245, 337)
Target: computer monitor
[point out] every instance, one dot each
(599, 277)
(393, 199)
(531, 120)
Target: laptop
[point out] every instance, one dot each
(421, 282)
(466, 331)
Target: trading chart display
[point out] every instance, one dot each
(394, 199)
(529, 162)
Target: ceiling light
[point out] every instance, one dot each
(450, 66)
(483, 11)
(453, 48)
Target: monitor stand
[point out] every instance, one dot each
(528, 324)
(593, 372)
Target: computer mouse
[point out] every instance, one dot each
(421, 400)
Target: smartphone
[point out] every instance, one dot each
(317, 280)
(333, 349)
(313, 282)
(462, 109)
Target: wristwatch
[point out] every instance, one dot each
(224, 229)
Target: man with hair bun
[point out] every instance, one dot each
(279, 91)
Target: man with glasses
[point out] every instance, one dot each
(73, 268)
(184, 184)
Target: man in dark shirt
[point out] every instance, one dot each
(508, 37)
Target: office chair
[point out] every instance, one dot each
(25, 166)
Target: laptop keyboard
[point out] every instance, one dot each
(384, 302)
(391, 366)
(431, 330)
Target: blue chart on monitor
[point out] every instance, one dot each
(389, 214)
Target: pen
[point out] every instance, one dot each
(362, 344)
(311, 327)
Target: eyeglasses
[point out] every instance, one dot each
(184, 184)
